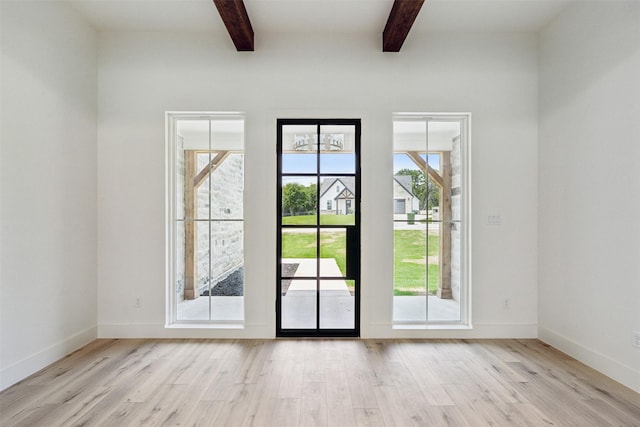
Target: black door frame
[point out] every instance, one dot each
(353, 233)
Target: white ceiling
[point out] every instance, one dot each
(295, 16)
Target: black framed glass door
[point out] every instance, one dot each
(318, 242)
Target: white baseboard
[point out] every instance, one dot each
(477, 331)
(246, 331)
(31, 364)
(625, 375)
(261, 331)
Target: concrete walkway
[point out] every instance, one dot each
(337, 305)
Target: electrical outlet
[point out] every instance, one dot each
(636, 339)
(506, 304)
(138, 303)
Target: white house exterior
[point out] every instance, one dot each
(404, 201)
(337, 194)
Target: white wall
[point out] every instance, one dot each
(589, 151)
(48, 174)
(142, 75)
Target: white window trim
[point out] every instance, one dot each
(171, 118)
(465, 321)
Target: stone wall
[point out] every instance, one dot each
(224, 208)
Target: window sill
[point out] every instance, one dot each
(432, 326)
(204, 325)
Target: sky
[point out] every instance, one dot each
(329, 163)
(338, 163)
(402, 161)
(343, 163)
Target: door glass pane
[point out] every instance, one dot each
(299, 147)
(318, 209)
(299, 200)
(337, 149)
(337, 200)
(337, 304)
(299, 246)
(298, 304)
(333, 252)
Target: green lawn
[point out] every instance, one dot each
(303, 245)
(410, 272)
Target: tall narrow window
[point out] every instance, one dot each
(206, 218)
(430, 227)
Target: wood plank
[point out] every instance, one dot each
(444, 290)
(263, 406)
(292, 383)
(433, 392)
(190, 208)
(445, 382)
(287, 412)
(203, 413)
(111, 403)
(476, 408)
(360, 383)
(223, 380)
(314, 404)
(392, 407)
(368, 417)
(339, 405)
(235, 18)
(235, 409)
(402, 16)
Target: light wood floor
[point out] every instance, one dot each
(318, 382)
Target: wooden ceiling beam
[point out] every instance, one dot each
(213, 165)
(235, 18)
(425, 167)
(403, 14)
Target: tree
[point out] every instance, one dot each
(298, 199)
(312, 200)
(433, 194)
